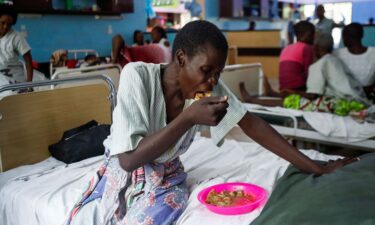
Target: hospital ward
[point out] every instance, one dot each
(187, 112)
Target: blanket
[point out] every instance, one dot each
(346, 196)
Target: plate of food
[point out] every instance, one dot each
(232, 198)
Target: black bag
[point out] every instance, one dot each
(81, 142)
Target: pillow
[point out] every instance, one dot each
(80, 143)
(346, 196)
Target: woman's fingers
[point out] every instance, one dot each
(347, 161)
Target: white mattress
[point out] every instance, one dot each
(327, 124)
(52, 187)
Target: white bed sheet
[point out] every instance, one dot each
(327, 124)
(52, 187)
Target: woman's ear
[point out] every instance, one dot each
(181, 57)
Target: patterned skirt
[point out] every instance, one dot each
(153, 194)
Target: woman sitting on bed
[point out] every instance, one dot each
(155, 121)
(13, 45)
(329, 87)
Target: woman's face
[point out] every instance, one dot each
(139, 38)
(5, 24)
(320, 12)
(155, 36)
(201, 72)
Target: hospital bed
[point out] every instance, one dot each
(316, 127)
(38, 189)
(73, 56)
(110, 70)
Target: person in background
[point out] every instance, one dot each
(295, 16)
(118, 55)
(13, 45)
(118, 45)
(329, 87)
(159, 36)
(252, 25)
(138, 38)
(323, 24)
(358, 59)
(295, 59)
(371, 21)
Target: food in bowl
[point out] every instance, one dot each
(229, 198)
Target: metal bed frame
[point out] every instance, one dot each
(75, 53)
(291, 129)
(285, 124)
(89, 71)
(19, 86)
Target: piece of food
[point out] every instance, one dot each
(200, 95)
(229, 198)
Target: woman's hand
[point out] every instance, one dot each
(207, 111)
(333, 165)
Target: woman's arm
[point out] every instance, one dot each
(29, 67)
(208, 111)
(265, 135)
(151, 147)
(310, 96)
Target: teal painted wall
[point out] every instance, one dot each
(51, 32)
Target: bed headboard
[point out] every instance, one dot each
(32, 121)
(112, 71)
(251, 74)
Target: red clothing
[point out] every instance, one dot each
(295, 60)
(152, 53)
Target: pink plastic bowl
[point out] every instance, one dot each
(259, 193)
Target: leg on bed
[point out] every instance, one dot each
(246, 97)
(118, 44)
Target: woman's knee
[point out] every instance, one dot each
(117, 40)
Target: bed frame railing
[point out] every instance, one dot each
(20, 86)
(30, 122)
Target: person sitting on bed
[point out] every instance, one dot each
(118, 47)
(138, 39)
(156, 119)
(13, 45)
(329, 87)
(295, 59)
(118, 54)
(159, 36)
(358, 59)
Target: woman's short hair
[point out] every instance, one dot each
(161, 31)
(135, 35)
(195, 34)
(353, 31)
(7, 9)
(303, 27)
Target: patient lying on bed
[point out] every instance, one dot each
(329, 87)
